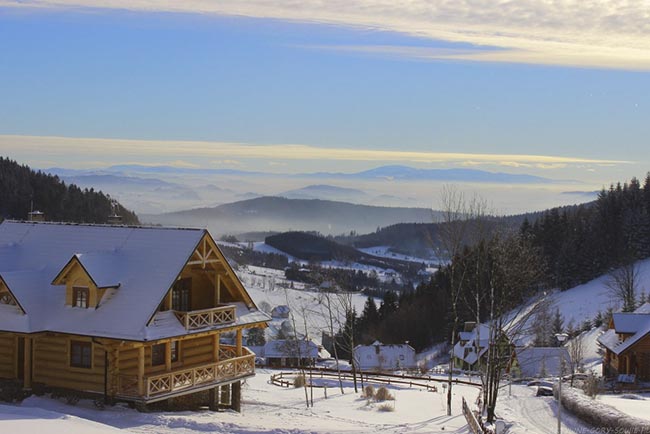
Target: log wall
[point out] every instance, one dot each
(8, 355)
(51, 364)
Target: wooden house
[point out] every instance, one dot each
(471, 347)
(627, 345)
(126, 313)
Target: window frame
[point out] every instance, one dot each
(83, 290)
(155, 354)
(81, 347)
(175, 351)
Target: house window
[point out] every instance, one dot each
(80, 296)
(175, 349)
(158, 354)
(181, 295)
(81, 354)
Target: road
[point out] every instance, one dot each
(527, 413)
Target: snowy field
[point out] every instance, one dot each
(266, 409)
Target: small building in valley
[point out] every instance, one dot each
(290, 353)
(123, 313)
(378, 356)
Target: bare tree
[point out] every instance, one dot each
(576, 349)
(298, 348)
(346, 305)
(453, 234)
(514, 270)
(332, 316)
(622, 284)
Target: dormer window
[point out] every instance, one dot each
(80, 295)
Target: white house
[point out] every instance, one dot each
(385, 357)
(540, 362)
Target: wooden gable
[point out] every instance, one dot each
(74, 275)
(7, 297)
(208, 256)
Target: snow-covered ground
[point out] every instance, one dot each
(28, 419)
(637, 405)
(527, 413)
(266, 409)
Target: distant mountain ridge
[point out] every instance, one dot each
(393, 172)
(282, 214)
(397, 172)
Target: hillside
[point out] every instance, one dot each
(419, 239)
(281, 214)
(22, 188)
(312, 247)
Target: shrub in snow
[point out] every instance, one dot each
(299, 381)
(383, 394)
(591, 385)
(369, 391)
(386, 407)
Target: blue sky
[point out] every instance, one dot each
(162, 80)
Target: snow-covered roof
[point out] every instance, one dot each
(143, 261)
(467, 341)
(627, 322)
(542, 361)
(637, 322)
(305, 349)
(384, 356)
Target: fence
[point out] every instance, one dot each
(370, 377)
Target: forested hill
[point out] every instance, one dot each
(583, 242)
(21, 186)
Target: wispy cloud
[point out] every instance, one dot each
(585, 33)
(115, 150)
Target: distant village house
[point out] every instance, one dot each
(381, 357)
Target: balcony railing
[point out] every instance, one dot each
(177, 381)
(198, 319)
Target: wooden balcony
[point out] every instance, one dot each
(188, 380)
(198, 319)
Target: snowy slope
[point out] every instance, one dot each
(266, 285)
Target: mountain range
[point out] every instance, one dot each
(281, 214)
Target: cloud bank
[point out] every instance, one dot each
(580, 33)
(120, 150)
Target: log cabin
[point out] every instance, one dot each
(125, 313)
(627, 346)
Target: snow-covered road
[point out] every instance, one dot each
(535, 414)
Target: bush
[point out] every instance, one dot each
(591, 385)
(299, 381)
(383, 394)
(369, 391)
(386, 407)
